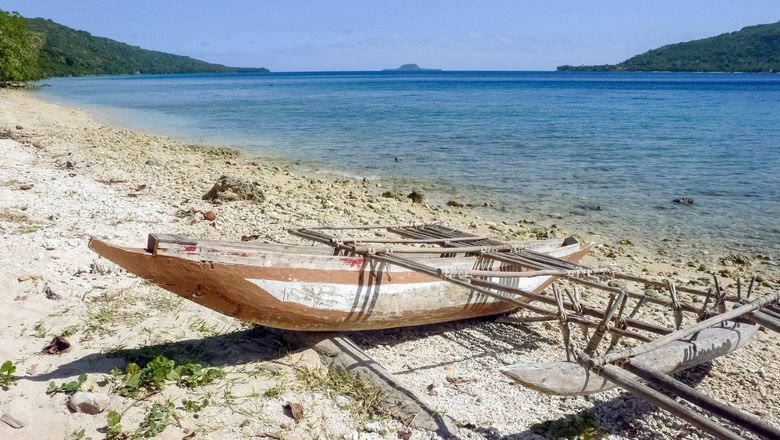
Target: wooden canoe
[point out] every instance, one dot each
(308, 288)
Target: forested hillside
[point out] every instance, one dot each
(38, 48)
(751, 49)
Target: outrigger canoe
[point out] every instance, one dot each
(309, 288)
(433, 273)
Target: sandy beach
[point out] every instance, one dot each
(65, 177)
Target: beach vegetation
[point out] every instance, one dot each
(160, 370)
(194, 406)
(573, 426)
(67, 387)
(40, 329)
(81, 434)
(364, 398)
(276, 391)
(114, 426)
(159, 417)
(19, 50)
(7, 371)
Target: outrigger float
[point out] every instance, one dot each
(405, 275)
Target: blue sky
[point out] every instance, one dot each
(369, 35)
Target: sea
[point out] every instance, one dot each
(600, 154)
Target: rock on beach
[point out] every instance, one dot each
(88, 403)
(231, 189)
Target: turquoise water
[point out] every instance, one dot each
(601, 153)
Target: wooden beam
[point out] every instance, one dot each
(628, 382)
(512, 274)
(656, 378)
(765, 321)
(683, 333)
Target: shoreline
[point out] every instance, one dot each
(92, 179)
(717, 226)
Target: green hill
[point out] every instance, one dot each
(70, 52)
(751, 49)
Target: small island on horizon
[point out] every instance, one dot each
(751, 49)
(411, 68)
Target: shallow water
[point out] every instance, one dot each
(601, 153)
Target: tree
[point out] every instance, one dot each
(19, 50)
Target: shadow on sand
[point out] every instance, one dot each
(481, 337)
(484, 338)
(622, 415)
(235, 348)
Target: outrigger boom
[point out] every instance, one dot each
(384, 276)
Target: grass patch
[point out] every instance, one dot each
(159, 417)
(276, 391)
(26, 224)
(9, 216)
(572, 426)
(104, 314)
(364, 398)
(40, 329)
(70, 330)
(29, 229)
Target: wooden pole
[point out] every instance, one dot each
(474, 285)
(508, 274)
(685, 306)
(652, 328)
(661, 284)
(698, 398)
(764, 320)
(408, 240)
(683, 333)
(628, 382)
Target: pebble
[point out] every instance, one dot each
(88, 403)
(13, 420)
(684, 200)
(375, 426)
(307, 359)
(210, 216)
(26, 277)
(342, 400)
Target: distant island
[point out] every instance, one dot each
(41, 48)
(411, 68)
(751, 49)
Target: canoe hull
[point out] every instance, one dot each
(350, 294)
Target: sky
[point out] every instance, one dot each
(326, 35)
